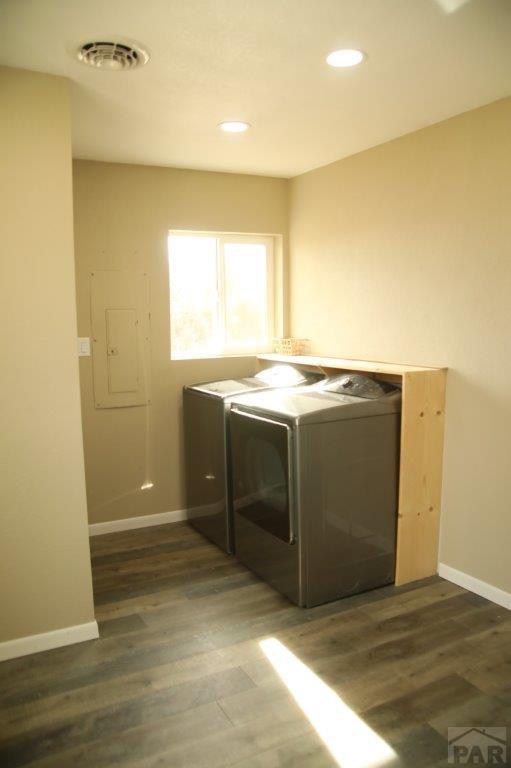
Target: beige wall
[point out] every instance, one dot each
(44, 550)
(398, 253)
(403, 253)
(122, 217)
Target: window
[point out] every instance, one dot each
(221, 294)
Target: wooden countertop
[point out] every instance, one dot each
(398, 369)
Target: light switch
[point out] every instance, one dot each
(83, 346)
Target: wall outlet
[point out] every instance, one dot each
(83, 346)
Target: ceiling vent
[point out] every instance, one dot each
(113, 56)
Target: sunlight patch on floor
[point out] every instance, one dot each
(349, 740)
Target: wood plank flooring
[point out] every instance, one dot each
(178, 677)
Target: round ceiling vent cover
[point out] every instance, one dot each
(114, 56)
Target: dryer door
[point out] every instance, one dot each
(262, 473)
(264, 509)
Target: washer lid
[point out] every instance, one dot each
(286, 376)
(228, 387)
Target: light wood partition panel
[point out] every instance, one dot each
(422, 434)
(420, 477)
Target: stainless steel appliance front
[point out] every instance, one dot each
(207, 467)
(206, 410)
(264, 499)
(315, 492)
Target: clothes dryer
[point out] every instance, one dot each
(315, 486)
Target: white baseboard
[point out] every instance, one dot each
(144, 521)
(22, 646)
(481, 588)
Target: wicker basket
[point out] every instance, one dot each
(289, 346)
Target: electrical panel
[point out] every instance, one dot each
(120, 338)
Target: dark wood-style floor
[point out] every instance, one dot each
(179, 678)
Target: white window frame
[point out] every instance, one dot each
(273, 301)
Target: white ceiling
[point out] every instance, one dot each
(263, 61)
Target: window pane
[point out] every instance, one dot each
(246, 302)
(193, 295)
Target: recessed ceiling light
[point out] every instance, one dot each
(345, 57)
(234, 126)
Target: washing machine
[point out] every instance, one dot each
(315, 486)
(206, 410)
